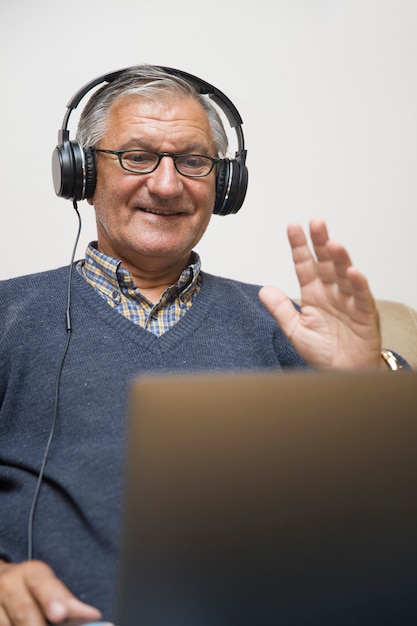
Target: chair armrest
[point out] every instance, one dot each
(399, 329)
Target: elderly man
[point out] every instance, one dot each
(154, 149)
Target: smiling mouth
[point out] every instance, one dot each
(161, 212)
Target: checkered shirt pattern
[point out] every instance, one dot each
(115, 284)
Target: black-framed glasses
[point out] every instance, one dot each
(145, 162)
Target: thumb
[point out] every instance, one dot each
(67, 608)
(281, 308)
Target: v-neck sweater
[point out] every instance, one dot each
(77, 520)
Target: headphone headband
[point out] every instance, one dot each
(203, 87)
(73, 169)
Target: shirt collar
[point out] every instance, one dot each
(107, 274)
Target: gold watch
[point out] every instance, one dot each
(391, 360)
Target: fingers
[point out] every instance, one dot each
(338, 325)
(4, 620)
(349, 281)
(55, 599)
(331, 261)
(330, 264)
(30, 593)
(320, 265)
(326, 274)
(304, 262)
(16, 603)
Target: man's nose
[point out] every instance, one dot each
(165, 181)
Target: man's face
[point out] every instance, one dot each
(146, 219)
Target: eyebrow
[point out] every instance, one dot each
(138, 144)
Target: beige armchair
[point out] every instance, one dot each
(399, 329)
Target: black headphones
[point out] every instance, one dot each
(74, 170)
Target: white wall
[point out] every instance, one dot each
(327, 90)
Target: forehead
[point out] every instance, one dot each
(174, 119)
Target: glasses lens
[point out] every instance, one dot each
(193, 165)
(142, 162)
(139, 161)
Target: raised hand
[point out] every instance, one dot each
(338, 326)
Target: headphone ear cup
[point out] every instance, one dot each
(231, 186)
(242, 185)
(79, 169)
(63, 170)
(90, 173)
(73, 171)
(222, 178)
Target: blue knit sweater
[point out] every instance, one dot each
(76, 526)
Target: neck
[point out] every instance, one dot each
(152, 287)
(150, 274)
(153, 279)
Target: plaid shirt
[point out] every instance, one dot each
(115, 284)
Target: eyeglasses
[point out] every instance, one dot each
(144, 162)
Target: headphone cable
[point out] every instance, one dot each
(56, 396)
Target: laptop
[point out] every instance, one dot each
(263, 499)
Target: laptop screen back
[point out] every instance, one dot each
(263, 499)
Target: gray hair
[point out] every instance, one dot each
(149, 82)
